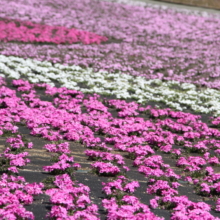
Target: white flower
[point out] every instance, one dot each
(122, 85)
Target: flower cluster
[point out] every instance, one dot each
(26, 31)
(15, 193)
(74, 116)
(105, 168)
(121, 204)
(64, 164)
(125, 109)
(218, 206)
(105, 164)
(70, 200)
(14, 156)
(176, 95)
(183, 207)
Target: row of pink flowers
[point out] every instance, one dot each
(183, 208)
(139, 137)
(69, 198)
(15, 191)
(29, 32)
(121, 204)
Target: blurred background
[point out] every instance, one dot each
(215, 4)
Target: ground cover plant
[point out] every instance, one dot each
(106, 112)
(173, 94)
(28, 32)
(139, 132)
(135, 34)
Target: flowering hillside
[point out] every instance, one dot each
(108, 111)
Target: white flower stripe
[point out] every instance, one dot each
(176, 95)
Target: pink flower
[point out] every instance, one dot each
(13, 169)
(205, 187)
(153, 203)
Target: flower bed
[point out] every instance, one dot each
(15, 193)
(173, 94)
(152, 162)
(140, 138)
(28, 32)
